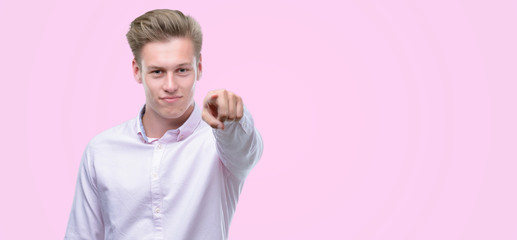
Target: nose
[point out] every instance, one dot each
(170, 84)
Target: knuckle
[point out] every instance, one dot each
(223, 114)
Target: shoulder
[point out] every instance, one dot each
(121, 133)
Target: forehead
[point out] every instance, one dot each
(173, 52)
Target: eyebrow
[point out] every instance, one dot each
(160, 67)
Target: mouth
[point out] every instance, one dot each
(170, 99)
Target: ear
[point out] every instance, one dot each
(199, 67)
(136, 72)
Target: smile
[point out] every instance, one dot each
(170, 99)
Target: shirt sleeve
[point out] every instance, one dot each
(239, 145)
(85, 220)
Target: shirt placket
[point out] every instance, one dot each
(155, 190)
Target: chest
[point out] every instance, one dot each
(133, 175)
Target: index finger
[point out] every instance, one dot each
(211, 100)
(211, 120)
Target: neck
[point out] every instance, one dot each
(155, 125)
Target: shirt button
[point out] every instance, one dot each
(155, 175)
(159, 146)
(157, 210)
(180, 137)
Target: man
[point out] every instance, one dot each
(175, 171)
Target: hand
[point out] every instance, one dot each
(221, 105)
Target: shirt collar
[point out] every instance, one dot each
(173, 135)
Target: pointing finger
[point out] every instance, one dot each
(211, 120)
(212, 99)
(211, 105)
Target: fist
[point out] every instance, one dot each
(221, 105)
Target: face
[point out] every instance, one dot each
(168, 72)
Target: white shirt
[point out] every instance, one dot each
(184, 185)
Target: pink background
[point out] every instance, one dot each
(381, 119)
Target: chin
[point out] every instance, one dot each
(172, 114)
(173, 111)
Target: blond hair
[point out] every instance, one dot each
(162, 25)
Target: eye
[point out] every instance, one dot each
(157, 71)
(182, 70)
